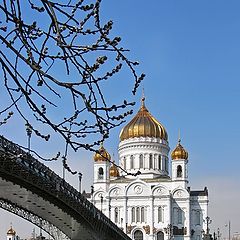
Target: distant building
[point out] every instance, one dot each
(11, 235)
(236, 236)
(154, 205)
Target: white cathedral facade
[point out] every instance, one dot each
(155, 204)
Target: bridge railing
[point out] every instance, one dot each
(90, 213)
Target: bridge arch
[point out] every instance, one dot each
(31, 186)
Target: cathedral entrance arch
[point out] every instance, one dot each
(138, 235)
(160, 236)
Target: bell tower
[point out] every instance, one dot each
(11, 234)
(101, 169)
(179, 165)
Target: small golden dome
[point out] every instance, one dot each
(113, 171)
(102, 155)
(11, 232)
(179, 152)
(143, 125)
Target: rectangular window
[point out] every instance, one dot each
(124, 163)
(116, 215)
(142, 214)
(138, 214)
(197, 217)
(160, 214)
(141, 161)
(175, 216)
(150, 161)
(180, 216)
(133, 215)
(166, 164)
(131, 162)
(159, 163)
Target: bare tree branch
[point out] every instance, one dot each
(56, 54)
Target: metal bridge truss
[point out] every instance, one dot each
(76, 217)
(49, 228)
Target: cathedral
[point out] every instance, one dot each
(149, 196)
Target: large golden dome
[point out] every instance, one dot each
(179, 152)
(102, 155)
(143, 125)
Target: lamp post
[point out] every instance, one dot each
(109, 208)
(218, 234)
(29, 134)
(208, 221)
(229, 229)
(92, 191)
(63, 169)
(101, 199)
(169, 231)
(80, 181)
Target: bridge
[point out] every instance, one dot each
(34, 192)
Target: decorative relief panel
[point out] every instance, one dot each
(160, 191)
(115, 192)
(138, 189)
(147, 229)
(180, 194)
(129, 229)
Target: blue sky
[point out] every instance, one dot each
(190, 52)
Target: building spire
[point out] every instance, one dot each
(143, 99)
(179, 136)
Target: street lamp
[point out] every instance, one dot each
(29, 134)
(218, 234)
(101, 202)
(92, 191)
(229, 229)
(109, 208)
(208, 221)
(169, 231)
(80, 181)
(63, 162)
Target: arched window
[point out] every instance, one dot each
(100, 173)
(140, 161)
(197, 217)
(131, 162)
(116, 215)
(160, 214)
(160, 236)
(138, 235)
(138, 214)
(159, 162)
(179, 171)
(133, 214)
(150, 161)
(142, 214)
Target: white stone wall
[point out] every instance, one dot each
(125, 197)
(133, 148)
